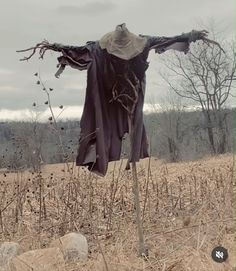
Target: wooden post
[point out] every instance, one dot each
(142, 250)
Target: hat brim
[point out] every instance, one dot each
(126, 48)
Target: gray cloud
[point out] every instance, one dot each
(89, 9)
(24, 23)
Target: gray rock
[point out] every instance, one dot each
(8, 250)
(74, 247)
(48, 259)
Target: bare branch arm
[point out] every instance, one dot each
(42, 47)
(77, 57)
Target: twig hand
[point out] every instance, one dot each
(195, 35)
(42, 46)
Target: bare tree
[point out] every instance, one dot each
(170, 125)
(27, 143)
(205, 76)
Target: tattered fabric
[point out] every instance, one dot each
(104, 120)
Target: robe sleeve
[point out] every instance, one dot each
(179, 43)
(77, 57)
(161, 44)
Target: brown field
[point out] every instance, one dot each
(187, 210)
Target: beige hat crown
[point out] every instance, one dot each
(123, 43)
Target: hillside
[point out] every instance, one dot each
(187, 210)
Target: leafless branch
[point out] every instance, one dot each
(42, 46)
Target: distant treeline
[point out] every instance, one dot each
(174, 135)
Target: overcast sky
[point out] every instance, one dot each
(26, 22)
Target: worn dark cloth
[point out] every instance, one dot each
(104, 120)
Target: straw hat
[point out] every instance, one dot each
(123, 43)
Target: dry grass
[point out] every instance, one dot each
(187, 210)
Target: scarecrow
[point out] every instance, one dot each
(116, 66)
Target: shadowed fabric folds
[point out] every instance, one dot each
(110, 79)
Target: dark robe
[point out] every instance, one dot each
(104, 120)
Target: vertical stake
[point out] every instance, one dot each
(142, 250)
